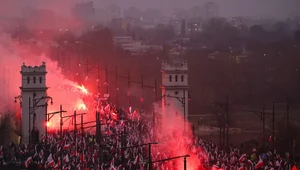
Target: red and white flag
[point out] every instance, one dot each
(66, 158)
(136, 160)
(28, 161)
(66, 147)
(259, 164)
(215, 167)
(50, 160)
(242, 158)
(1, 151)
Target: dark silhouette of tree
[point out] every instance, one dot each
(7, 128)
(64, 36)
(218, 33)
(21, 32)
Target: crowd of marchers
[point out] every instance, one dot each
(122, 146)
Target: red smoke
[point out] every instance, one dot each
(63, 91)
(175, 142)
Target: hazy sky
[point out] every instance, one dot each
(276, 8)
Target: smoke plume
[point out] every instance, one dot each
(175, 142)
(63, 91)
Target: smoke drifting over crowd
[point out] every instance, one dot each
(173, 140)
(63, 91)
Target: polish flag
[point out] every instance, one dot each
(135, 160)
(242, 158)
(250, 163)
(1, 151)
(56, 166)
(130, 109)
(259, 164)
(82, 157)
(28, 161)
(215, 167)
(67, 146)
(50, 159)
(120, 167)
(66, 159)
(107, 108)
(51, 163)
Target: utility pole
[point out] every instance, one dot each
(227, 121)
(142, 95)
(87, 66)
(82, 138)
(98, 77)
(182, 100)
(154, 114)
(150, 157)
(184, 112)
(264, 126)
(106, 77)
(262, 117)
(117, 84)
(288, 124)
(149, 152)
(176, 157)
(129, 89)
(29, 123)
(184, 163)
(273, 132)
(61, 135)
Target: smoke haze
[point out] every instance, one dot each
(228, 8)
(11, 59)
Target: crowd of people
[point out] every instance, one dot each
(124, 145)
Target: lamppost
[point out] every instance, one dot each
(261, 115)
(225, 107)
(182, 100)
(33, 108)
(176, 157)
(149, 152)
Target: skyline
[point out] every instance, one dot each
(229, 8)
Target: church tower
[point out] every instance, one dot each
(34, 98)
(175, 86)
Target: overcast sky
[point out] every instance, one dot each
(276, 8)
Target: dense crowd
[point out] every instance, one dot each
(121, 147)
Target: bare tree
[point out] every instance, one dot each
(7, 128)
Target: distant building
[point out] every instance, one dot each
(175, 87)
(84, 11)
(39, 18)
(194, 26)
(131, 46)
(177, 25)
(211, 10)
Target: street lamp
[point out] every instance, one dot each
(182, 100)
(176, 157)
(149, 152)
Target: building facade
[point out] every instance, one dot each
(175, 87)
(33, 92)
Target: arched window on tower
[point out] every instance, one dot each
(28, 80)
(34, 80)
(176, 78)
(170, 78)
(41, 79)
(182, 78)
